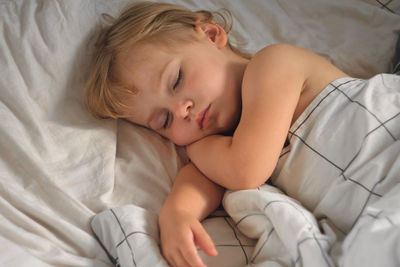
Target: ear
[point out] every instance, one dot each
(215, 34)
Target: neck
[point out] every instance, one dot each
(237, 66)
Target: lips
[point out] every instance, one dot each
(202, 118)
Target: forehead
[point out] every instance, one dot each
(132, 65)
(142, 69)
(138, 69)
(154, 49)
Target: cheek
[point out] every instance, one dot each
(182, 136)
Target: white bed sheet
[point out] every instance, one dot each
(59, 167)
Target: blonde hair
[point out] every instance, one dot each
(138, 22)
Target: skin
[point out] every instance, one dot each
(207, 78)
(256, 100)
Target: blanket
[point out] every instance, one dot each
(340, 204)
(343, 165)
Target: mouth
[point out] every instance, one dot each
(202, 118)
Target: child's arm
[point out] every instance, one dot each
(192, 198)
(273, 82)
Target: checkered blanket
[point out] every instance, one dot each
(340, 198)
(343, 166)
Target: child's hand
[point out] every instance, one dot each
(180, 233)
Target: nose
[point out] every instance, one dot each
(184, 108)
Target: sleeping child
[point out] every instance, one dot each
(175, 72)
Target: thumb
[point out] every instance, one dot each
(204, 241)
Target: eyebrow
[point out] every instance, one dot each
(161, 78)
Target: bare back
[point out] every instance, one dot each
(323, 74)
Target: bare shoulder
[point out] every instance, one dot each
(284, 59)
(274, 67)
(279, 54)
(279, 51)
(293, 69)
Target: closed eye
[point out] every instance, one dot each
(178, 79)
(167, 119)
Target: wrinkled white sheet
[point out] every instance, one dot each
(59, 167)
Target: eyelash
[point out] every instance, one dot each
(177, 82)
(178, 79)
(166, 121)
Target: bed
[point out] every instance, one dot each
(76, 191)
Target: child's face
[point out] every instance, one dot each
(185, 93)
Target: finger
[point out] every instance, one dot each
(169, 255)
(190, 254)
(181, 261)
(189, 263)
(204, 241)
(176, 260)
(168, 258)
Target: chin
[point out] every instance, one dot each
(181, 143)
(186, 142)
